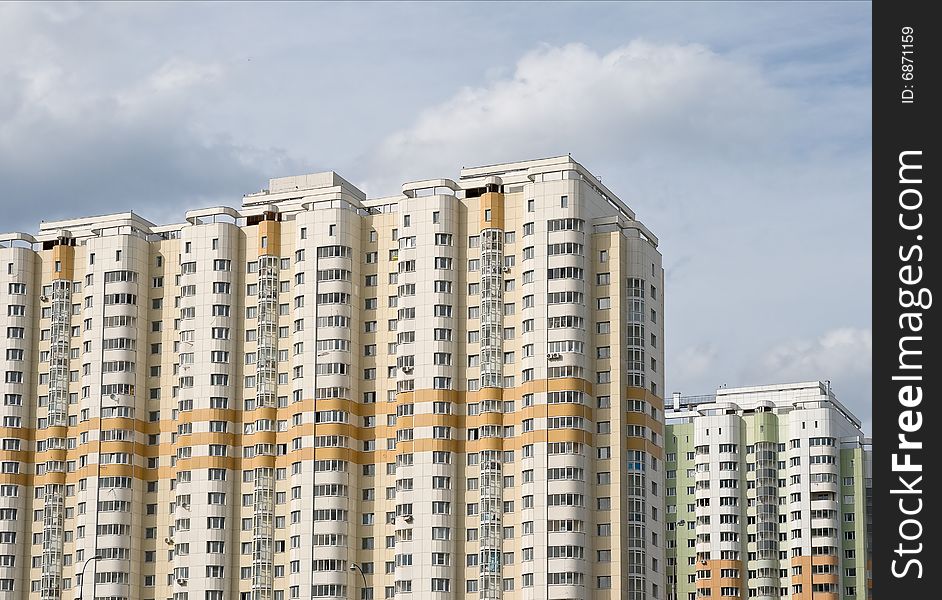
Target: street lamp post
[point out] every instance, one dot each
(356, 567)
(85, 566)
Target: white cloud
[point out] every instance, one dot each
(117, 133)
(839, 353)
(177, 87)
(177, 75)
(637, 98)
(693, 365)
(843, 355)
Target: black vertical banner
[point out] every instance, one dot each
(907, 390)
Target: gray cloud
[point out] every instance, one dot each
(82, 144)
(697, 363)
(843, 355)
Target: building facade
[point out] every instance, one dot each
(769, 495)
(453, 392)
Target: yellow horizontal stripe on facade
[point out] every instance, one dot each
(15, 478)
(431, 395)
(644, 445)
(248, 439)
(204, 438)
(636, 393)
(488, 418)
(15, 455)
(490, 443)
(637, 418)
(352, 431)
(20, 433)
(212, 414)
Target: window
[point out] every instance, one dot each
(564, 273)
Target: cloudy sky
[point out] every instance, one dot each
(739, 133)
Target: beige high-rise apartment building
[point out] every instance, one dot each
(453, 392)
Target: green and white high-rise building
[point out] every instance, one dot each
(768, 495)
